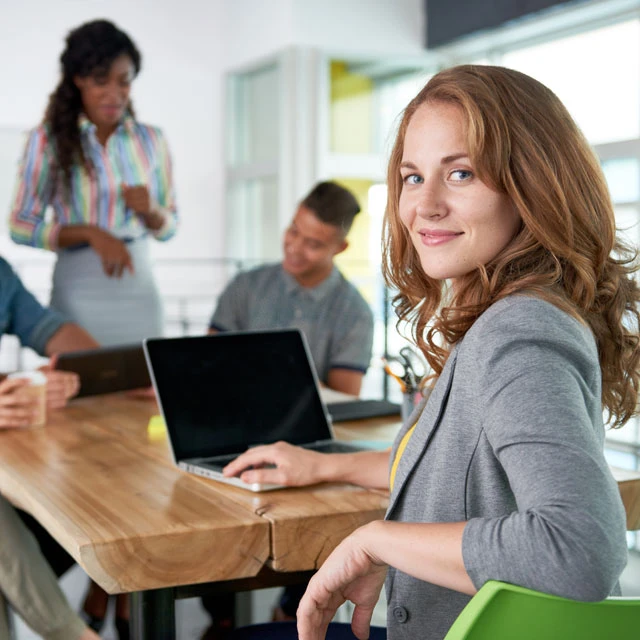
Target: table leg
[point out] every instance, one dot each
(153, 615)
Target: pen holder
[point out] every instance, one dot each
(410, 399)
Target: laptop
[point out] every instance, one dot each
(221, 394)
(107, 369)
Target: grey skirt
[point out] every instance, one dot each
(113, 310)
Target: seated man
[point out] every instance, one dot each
(304, 291)
(307, 291)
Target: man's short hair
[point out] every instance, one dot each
(332, 204)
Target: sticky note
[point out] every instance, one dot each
(156, 429)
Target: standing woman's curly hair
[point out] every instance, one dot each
(90, 50)
(523, 142)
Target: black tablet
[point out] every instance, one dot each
(107, 369)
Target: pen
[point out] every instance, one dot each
(401, 382)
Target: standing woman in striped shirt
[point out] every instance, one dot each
(108, 180)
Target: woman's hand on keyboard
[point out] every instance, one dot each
(279, 463)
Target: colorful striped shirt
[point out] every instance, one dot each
(135, 154)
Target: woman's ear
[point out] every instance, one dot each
(79, 81)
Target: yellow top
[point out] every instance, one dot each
(396, 461)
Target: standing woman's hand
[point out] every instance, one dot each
(112, 251)
(17, 408)
(138, 199)
(352, 573)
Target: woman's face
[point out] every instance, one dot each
(456, 222)
(105, 96)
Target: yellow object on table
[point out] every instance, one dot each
(156, 429)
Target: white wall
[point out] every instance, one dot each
(257, 28)
(179, 89)
(362, 26)
(187, 46)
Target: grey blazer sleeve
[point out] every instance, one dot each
(537, 380)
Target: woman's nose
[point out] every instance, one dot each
(115, 90)
(430, 203)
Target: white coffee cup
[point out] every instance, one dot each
(37, 388)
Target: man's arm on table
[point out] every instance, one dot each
(70, 337)
(345, 380)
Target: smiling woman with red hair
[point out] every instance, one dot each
(500, 240)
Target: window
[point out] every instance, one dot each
(595, 74)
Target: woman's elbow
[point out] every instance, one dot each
(17, 237)
(597, 577)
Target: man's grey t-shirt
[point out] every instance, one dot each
(335, 319)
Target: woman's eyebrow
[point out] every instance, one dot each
(405, 164)
(453, 157)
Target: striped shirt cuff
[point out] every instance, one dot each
(168, 227)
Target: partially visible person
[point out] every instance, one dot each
(500, 239)
(17, 406)
(305, 291)
(108, 179)
(29, 585)
(48, 333)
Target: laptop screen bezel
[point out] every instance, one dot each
(165, 394)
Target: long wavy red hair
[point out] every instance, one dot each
(523, 142)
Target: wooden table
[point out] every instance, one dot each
(110, 494)
(629, 485)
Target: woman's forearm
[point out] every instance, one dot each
(75, 234)
(366, 469)
(286, 464)
(155, 219)
(431, 552)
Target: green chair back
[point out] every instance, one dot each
(501, 611)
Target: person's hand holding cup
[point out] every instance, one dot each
(61, 385)
(23, 400)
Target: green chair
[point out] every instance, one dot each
(501, 611)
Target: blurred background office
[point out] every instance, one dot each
(262, 98)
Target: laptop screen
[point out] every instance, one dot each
(222, 393)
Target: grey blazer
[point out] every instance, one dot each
(511, 440)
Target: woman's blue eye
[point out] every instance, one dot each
(461, 174)
(412, 179)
